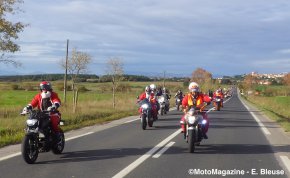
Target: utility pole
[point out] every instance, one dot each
(164, 79)
(65, 75)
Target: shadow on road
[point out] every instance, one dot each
(235, 149)
(92, 155)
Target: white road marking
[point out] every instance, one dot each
(157, 155)
(136, 163)
(132, 120)
(71, 138)
(286, 162)
(10, 156)
(19, 153)
(262, 126)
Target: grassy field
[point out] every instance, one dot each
(94, 106)
(276, 107)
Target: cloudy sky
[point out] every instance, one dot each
(225, 37)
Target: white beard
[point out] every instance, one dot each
(46, 94)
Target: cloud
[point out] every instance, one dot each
(284, 51)
(174, 34)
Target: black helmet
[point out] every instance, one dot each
(45, 85)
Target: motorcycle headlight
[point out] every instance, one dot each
(145, 106)
(191, 119)
(203, 122)
(218, 100)
(31, 122)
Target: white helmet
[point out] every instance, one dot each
(147, 89)
(153, 87)
(193, 87)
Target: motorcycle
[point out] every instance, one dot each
(194, 124)
(146, 113)
(162, 103)
(39, 136)
(178, 103)
(218, 103)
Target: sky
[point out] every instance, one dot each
(224, 37)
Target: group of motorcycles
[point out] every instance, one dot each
(40, 138)
(146, 110)
(194, 121)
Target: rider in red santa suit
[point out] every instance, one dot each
(195, 99)
(47, 100)
(151, 97)
(220, 94)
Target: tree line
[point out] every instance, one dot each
(80, 78)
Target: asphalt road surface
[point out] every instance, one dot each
(237, 147)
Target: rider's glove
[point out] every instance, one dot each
(26, 109)
(53, 107)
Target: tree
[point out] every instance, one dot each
(286, 79)
(249, 81)
(76, 65)
(202, 77)
(115, 70)
(9, 31)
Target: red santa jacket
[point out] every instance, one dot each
(38, 102)
(151, 98)
(198, 102)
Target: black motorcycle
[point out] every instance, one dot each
(178, 102)
(39, 136)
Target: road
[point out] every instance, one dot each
(238, 146)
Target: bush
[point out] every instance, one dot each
(124, 87)
(15, 87)
(270, 92)
(29, 87)
(60, 86)
(104, 88)
(82, 88)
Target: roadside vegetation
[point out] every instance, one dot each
(94, 105)
(273, 100)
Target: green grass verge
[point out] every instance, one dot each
(273, 112)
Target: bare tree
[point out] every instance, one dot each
(249, 81)
(115, 71)
(9, 31)
(202, 77)
(286, 79)
(76, 65)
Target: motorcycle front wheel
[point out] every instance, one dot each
(218, 106)
(191, 140)
(29, 149)
(143, 121)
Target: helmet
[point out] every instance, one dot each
(164, 89)
(153, 87)
(193, 87)
(45, 85)
(219, 91)
(147, 89)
